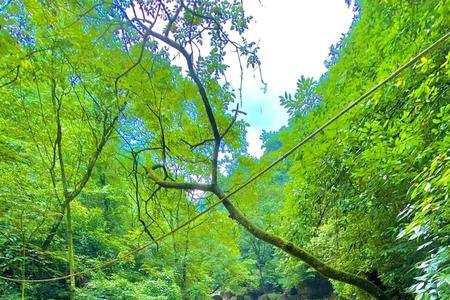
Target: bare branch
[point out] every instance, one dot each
(172, 19)
(12, 80)
(193, 146)
(236, 112)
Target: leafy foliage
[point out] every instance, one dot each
(305, 97)
(369, 194)
(94, 109)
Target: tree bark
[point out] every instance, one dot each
(299, 253)
(70, 252)
(54, 229)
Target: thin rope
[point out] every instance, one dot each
(252, 179)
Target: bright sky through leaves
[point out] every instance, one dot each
(294, 38)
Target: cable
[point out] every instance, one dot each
(252, 179)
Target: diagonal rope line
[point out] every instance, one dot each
(252, 179)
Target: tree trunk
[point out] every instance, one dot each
(54, 229)
(70, 252)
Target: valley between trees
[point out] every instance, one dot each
(124, 171)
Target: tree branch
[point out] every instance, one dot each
(193, 146)
(12, 80)
(193, 75)
(298, 252)
(236, 112)
(179, 185)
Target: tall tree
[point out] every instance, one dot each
(181, 26)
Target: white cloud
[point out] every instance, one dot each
(254, 143)
(294, 38)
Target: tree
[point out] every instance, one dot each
(182, 34)
(347, 188)
(104, 137)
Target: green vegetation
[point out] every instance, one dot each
(106, 146)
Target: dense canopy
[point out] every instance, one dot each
(121, 140)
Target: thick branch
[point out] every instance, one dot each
(179, 185)
(299, 253)
(194, 76)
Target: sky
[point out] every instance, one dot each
(294, 38)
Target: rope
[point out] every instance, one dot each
(249, 181)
